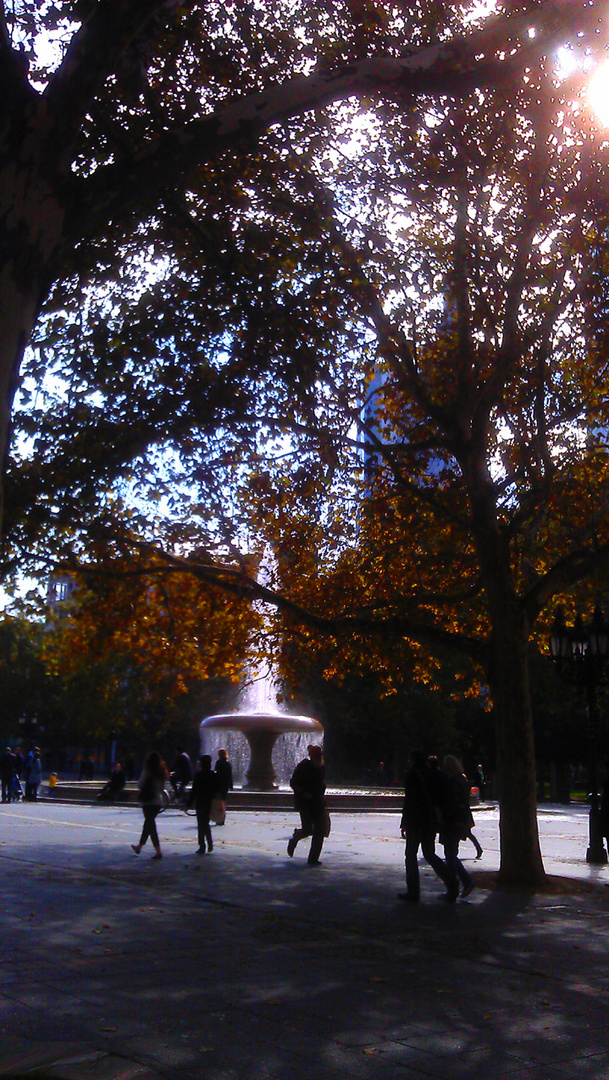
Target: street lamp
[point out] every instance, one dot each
(580, 653)
(28, 726)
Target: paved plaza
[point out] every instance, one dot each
(247, 965)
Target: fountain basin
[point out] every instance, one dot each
(262, 730)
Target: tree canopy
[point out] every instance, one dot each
(324, 280)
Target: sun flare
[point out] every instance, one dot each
(598, 93)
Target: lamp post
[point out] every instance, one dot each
(580, 653)
(28, 726)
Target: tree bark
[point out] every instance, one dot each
(508, 672)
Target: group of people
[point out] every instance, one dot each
(14, 768)
(207, 784)
(308, 783)
(436, 803)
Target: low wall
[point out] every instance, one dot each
(344, 799)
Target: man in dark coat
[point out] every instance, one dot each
(181, 774)
(309, 786)
(419, 825)
(204, 788)
(224, 773)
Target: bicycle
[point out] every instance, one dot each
(172, 800)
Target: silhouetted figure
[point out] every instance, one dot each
(151, 787)
(182, 771)
(457, 819)
(224, 774)
(34, 776)
(308, 783)
(480, 781)
(224, 777)
(115, 785)
(419, 826)
(8, 769)
(204, 788)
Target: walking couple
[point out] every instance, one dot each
(435, 801)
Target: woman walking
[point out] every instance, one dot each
(458, 820)
(151, 786)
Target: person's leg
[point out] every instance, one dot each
(411, 861)
(306, 829)
(450, 867)
(145, 827)
(145, 833)
(318, 840)
(201, 831)
(476, 843)
(154, 836)
(464, 877)
(208, 836)
(428, 847)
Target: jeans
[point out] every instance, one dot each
(311, 824)
(204, 829)
(453, 862)
(415, 839)
(150, 812)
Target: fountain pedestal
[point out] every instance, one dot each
(262, 731)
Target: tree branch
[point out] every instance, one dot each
(238, 582)
(488, 57)
(93, 54)
(565, 573)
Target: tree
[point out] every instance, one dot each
(480, 216)
(132, 122)
(484, 496)
(130, 647)
(27, 692)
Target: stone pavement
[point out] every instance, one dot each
(247, 964)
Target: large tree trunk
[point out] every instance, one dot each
(31, 227)
(521, 860)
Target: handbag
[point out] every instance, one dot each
(217, 813)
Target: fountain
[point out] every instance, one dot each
(262, 730)
(262, 724)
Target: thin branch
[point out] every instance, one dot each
(489, 57)
(238, 583)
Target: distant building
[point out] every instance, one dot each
(61, 587)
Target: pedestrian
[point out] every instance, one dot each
(115, 785)
(224, 776)
(457, 819)
(18, 762)
(8, 769)
(204, 788)
(419, 826)
(182, 771)
(150, 794)
(308, 783)
(480, 781)
(27, 764)
(468, 817)
(34, 776)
